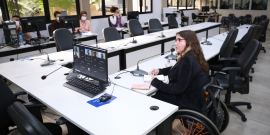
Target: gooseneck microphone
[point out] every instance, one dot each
(206, 42)
(161, 34)
(133, 40)
(45, 76)
(48, 61)
(171, 56)
(138, 72)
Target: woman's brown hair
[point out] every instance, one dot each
(196, 50)
(81, 14)
(113, 9)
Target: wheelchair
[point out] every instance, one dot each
(190, 121)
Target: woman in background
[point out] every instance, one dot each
(116, 19)
(85, 25)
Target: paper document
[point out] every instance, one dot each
(87, 34)
(148, 78)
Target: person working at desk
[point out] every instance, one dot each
(116, 19)
(19, 28)
(56, 24)
(85, 25)
(187, 77)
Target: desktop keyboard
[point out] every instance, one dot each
(84, 87)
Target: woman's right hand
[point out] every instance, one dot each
(154, 72)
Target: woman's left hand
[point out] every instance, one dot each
(153, 78)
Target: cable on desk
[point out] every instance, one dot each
(119, 85)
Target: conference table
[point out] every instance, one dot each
(124, 30)
(29, 50)
(129, 113)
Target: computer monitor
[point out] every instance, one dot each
(31, 24)
(91, 62)
(69, 22)
(205, 8)
(133, 15)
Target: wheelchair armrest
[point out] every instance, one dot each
(231, 69)
(235, 47)
(61, 121)
(16, 94)
(34, 104)
(224, 59)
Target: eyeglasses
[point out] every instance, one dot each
(179, 40)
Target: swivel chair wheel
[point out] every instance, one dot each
(244, 119)
(249, 106)
(264, 51)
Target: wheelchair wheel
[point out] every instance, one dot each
(188, 122)
(226, 117)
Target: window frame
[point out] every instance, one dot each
(178, 5)
(46, 10)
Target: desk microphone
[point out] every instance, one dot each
(161, 34)
(48, 61)
(45, 76)
(171, 56)
(133, 40)
(138, 72)
(206, 42)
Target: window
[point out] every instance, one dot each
(211, 3)
(182, 4)
(146, 6)
(25, 8)
(62, 5)
(96, 7)
(136, 5)
(1, 16)
(116, 3)
(259, 4)
(241, 5)
(226, 4)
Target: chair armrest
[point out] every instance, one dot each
(34, 104)
(231, 69)
(225, 59)
(16, 94)
(235, 47)
(61, 121)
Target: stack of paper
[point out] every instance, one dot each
(148, 78)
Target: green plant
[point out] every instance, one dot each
(93, 2)
(26, 7)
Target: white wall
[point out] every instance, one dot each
(99, 24)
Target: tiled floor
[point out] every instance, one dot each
(258, 118)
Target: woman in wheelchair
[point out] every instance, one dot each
(188, 87)
(187, 77)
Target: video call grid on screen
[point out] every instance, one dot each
(91, 62)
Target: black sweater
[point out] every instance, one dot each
(186, 80)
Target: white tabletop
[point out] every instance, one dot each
(128, 113)
(127, 79)
(143, 26)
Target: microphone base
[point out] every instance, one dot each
(133, 41)
(47, 63)
(139, 72)
(171, 57)
(71, 76)
(206, 43)
(163, 36)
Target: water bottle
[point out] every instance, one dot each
(168, 64)
(20, 40)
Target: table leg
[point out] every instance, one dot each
(165, 128)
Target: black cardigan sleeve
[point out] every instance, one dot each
(164, 71)
(185, 75)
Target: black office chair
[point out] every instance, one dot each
(248, 19)
(109, 21)
(194, 18)
(263, 17)
(27, 124)
(184, 19)
(257, 20)
(172, 22)
(211, 19)
(225, 51)
(231, 19)
(241, 45)
(258, 35)
(6, 99)
(225, 23)
(265, 24)
(63, 39)
(135, 28)
(154, 26)
(241, 20)
(49, 29)
(110, 34)
(235, 83)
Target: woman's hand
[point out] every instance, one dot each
(154, 72)
(120, 15)
(153, 78)
(115, 14)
